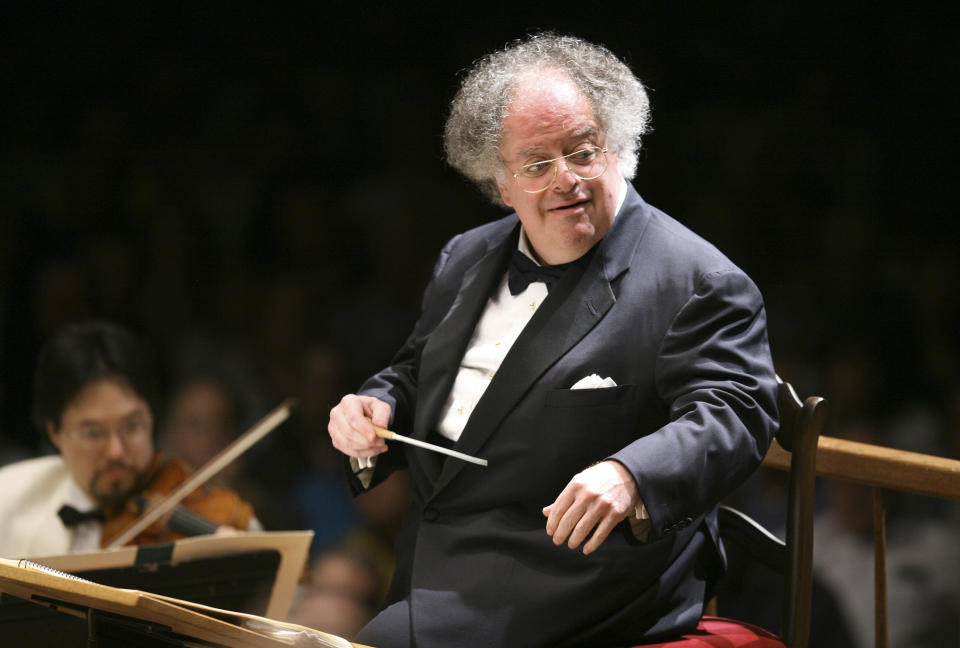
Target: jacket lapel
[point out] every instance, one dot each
(50, 536)
(574, 306)
(441, 356)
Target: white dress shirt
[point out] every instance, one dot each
(504, 317)
(85, 537)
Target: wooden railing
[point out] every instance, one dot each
(883, 469)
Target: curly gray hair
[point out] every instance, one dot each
(475, 126)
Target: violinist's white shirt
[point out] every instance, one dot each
(32, 492)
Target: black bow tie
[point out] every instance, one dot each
(523, 271)
(71, 517)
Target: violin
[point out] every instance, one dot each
(169, 483)
(201, 512)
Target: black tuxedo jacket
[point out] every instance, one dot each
(682, 331)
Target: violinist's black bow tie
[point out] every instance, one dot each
(71, 517)
(523, 271)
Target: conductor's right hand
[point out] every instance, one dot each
(351, 432)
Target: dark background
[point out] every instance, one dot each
(271, 178)
(262, 190)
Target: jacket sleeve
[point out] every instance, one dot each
(715, 374)
(397, 383)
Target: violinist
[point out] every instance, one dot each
(95, 390)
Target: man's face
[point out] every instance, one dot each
(106, 439)
(550, 117)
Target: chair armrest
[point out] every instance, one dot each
(764, 547)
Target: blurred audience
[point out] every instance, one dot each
(228, 198)
(344, 586)
(923, 559)
(201, 421)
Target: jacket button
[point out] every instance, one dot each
(430, 514)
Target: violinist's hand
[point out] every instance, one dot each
(600, 496)
(350, 430)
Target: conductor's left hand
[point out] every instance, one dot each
(596, 498)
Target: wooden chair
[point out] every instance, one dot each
(800, 426)
(884, 469)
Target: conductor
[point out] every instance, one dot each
(611, 365)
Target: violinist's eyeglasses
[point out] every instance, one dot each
(131, 433)
(586, 163)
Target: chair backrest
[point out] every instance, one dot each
(884, 469)
(800, 426)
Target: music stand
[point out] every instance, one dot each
(100, 616)
(250, 572)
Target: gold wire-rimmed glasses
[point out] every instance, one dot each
(586, 163)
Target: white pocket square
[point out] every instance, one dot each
(593, 381)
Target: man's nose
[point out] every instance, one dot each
(115, 446)
(566, 179)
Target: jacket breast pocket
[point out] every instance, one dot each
(588, 397)
(583, 426)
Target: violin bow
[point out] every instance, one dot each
(261, 429)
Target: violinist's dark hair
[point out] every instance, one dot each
(83, 353)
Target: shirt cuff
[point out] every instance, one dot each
(363, 462)
(363, 468)
(640, 522)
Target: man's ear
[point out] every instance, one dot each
(504, 196)
(54, 435)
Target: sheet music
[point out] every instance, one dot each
(44, 586)
(292, 545)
